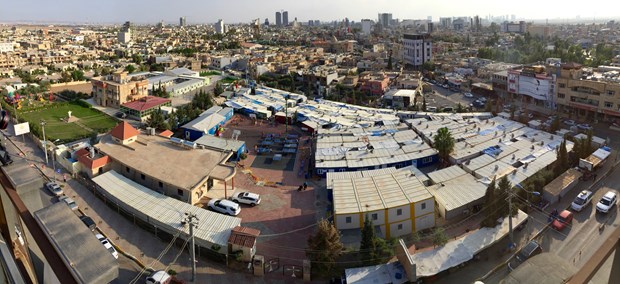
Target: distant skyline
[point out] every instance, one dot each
(243, 11)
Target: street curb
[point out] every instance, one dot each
(499, 266)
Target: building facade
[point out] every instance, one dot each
(219, 27)
(533, 85)
(285, 18)
(118, 88)
(418, 49)
(278, 19)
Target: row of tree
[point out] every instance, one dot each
(183, 114)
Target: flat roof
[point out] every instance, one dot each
(159, 158)
(446, 174)
(458, 192)
(543, 268)
(220, 143)
(560, 183)
(366, 191)
(77, 245)
(166, 212)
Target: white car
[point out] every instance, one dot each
(158, 277)
(248, 198)
(607, 202)
(70, 202)
(54, 188)
(468, 95)
(106, 243)
(570, 122)
(224, 206)
(582, 200)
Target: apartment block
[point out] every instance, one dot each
(418, 49)
(119, 88)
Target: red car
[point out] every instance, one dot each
(563, 220)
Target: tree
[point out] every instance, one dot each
(424, 103)
(503, 186)
(324, 247)
(94, 139)
(562, 163)
(555, 124)
(77, 75)
(136, 58)
(130, 68)
(444, 143)
(389, 63)
(490, 206)
(157, 120)
(460, 108)
(488, 106)
(202, 100)
(218, 89)
(368, 245)
(439, 237)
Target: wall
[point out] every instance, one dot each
(406, 228)
(430, 207)
(425, 222)
(341, 223)
(405, 213)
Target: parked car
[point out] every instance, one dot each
(248, 198)
(70, 202)
(224, 206)
(564, 219)
(582, 200)
(89, 222)
(445, 86)
(529, 250)
(584, 126)
(159, 277)
(570, 122)
(54, 188)
(120, 114)
(468, 95)
(607, 202)
(106, 243)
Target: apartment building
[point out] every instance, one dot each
(6, 47)
(418, 49)
(591, 95)
(532, 85)
(119, 88)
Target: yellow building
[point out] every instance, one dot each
(119, 88)
(589, 95)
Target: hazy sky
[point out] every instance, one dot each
(234, 11)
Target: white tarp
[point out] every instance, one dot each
(432, 262)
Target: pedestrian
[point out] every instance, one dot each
(300, 188)
(305, 185)
(64, 178)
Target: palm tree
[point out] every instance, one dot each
(444, 143)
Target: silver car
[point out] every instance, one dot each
(54, 188)
(70, 202)
(248, 198)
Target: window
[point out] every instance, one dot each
(427, 160)
(611, 93)
(561, 85)
(400, 227)
(347, 220)
(399, 212)
(561, 96)
(142, 176)
(423, 206)
(180, 192)
(161, 184)
(127, 169)
(374, 216)
(609, 104)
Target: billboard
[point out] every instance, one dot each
(21, 128)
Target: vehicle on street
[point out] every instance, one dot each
(607, 202)
(477, 104)
(445, 86)
(564, 219)
(120, 114)
(468, 95)
(70, 202)
(159, 277)
(89, 222)
(584, 126)
(529, 250)
(224, 206)
(54, 188)
(106, 243)
(570, 122)
(582, 200)
(248, 198)
(431, 109)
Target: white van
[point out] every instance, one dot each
(159, 277)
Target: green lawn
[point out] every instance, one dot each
(228, 80)
(56, 128)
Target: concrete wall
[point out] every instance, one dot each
(341, 223)
(429, 207)
(393, 216)
(425, 222)
(405, 225)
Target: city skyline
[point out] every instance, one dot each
(116, 11)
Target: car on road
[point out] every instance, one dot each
(224, 206)
(70, 202)
(468, 95)
(106, 243)
(570, 122)
(564, 219)
(582, 200)
(120, 114)
(607, 202)
(477, 104)
(248, 198)
(159, 277)
(445, 86)
(89, 222)
(529, 250)
(54, 188)
(584, 126)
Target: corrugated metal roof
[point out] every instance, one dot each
(446, 174)
(477, 163)
(166, 212)
(497, 168)
(458, 192)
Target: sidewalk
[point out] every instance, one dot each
(143, 245)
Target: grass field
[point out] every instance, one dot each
(55, 128)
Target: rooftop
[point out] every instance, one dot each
(146, 103)
(124, 131)
(159, 158)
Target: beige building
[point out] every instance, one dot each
(119, 88)
(588, 95)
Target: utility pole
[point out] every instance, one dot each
(510, 232)
(191, 220)
(44, 141)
